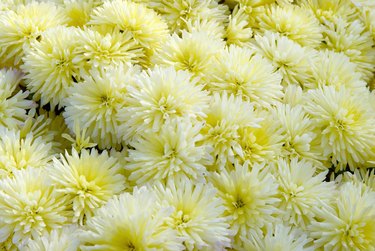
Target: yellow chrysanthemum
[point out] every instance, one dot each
(176, 151)
(59, 239)
(238, 30)
(290, 59)
(197, 215)
(88, 179)
(279, 237)
(29, 206)
(97, 50)
(21, 27)
(189, 52)
(144, 25)
(327, 10)
(131, 222)
(302, 193)
(334, 69)
(249, 199)
(249, 3)
(13, 103)
(299, 133)
(49, 65)
(350, 224)
(18, 152)
(161, 94)
(355, 41)
(294, 22)
(345, 121)
(241, 72)
(178, 13)
(96, 102)
(79, 11)
(227, 116)
(260, 144)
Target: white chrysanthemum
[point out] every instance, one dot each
(260, 144)
(12, 106)
(298, 132)
(24, 25)
(161, 94)
(29, 206)
(131, 222)
(144, 25)
(227, 116)
(17, 152)
(328, 10)
(211, 27)
(250, 200)
(191, 52)
(89, 180)
(294, 22)
(197, 215)
(293, 95)
(238, 30)
(79, 11)
(242, 72)
(97, 50)
(350, 224)
(96, 102)
(291, 60)
(334, 69)
(49, 65)
(175, 151)
(61, 239)
(178, 12)
(355, 41)
(280, 237)
(346, 123)
(302, 193)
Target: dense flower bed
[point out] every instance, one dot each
(187, 125)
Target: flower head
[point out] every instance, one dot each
(89, 180)
(29, 206)
(131, 222)
(197, 215)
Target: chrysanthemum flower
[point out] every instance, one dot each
(350, 224)
(227, 116)
(79, 11)
(178, 12)
(298, 133)
(161, 94)
(49, 65)
(97, 50)
(346, 123)
(89, 180)
(18, 152)
(24, 25)
(96, 102)
(291, 59)
(175, 151)
(302, 193)
(29, 206)
(294, 22)
(353, 39)
(197, 215)
(144, 25)
(131, 222)
(293, 95)
(327, 10)
(260, 144)
(60, 239)
(238, 30)
(280, 237)
(249, 199)
(334, 69)
(242, 72)
(12, 106)
(211, 27)
(189, 52)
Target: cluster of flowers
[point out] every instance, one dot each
(187, 125)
